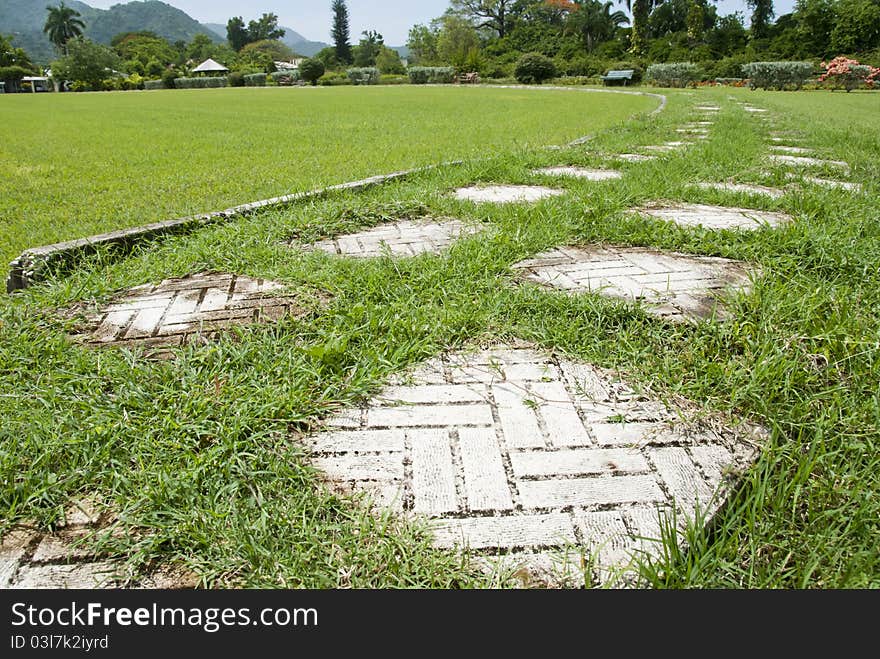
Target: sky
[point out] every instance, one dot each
(391, 18)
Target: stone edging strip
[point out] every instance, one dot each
(31, 264)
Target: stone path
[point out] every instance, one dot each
(177, 310)
(500, 194)
(633, 157)
(714, 217)
(579, 172)
(516, 452)
(31, 559)
(404, 238)
(793, 150)
(828, 183)
(674, 286)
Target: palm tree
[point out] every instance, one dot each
(595, 22)
(641, 10)
(63, 24)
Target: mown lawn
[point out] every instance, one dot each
(79, 164)
(199, 455)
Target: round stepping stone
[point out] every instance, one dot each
(404, 238)
(675, 286)
(512, 451)
(501, 194)
(800, 161)
(714, 217)
(578, 172)
(748, 188)
(707, 108)
(754, 110)
(660, 148)
(634, 157)
(176, 310)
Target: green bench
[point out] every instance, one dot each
(618, 77)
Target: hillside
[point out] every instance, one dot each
(24, 19)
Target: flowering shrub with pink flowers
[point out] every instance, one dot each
(848, 74)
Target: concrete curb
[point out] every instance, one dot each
(31, 265)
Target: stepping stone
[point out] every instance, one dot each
(62, 559)
(502, 194)
(677, 287)
(794, 150)
(578, 172)
(755, 110)
(404, 238)
(661, 148)
(177, 310)
(707, 108)
(634, 157)
(800, 161)
(511, 452)
(714, 217)
(748, 188)
(698, 124)
(692, 131)
(829, 183)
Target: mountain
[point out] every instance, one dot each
(292, 39)
(24, 20)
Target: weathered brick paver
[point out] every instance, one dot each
(64, 559)
(802, 161)
(169, 313)
(634, 157)
(713, 217)
(404, 238)
(674, 286)
(519, 455)
(502, 194)
(794, 150)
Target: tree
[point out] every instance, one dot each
(12, 56)
(236, 33)
(311, 70)
(534, 68)
(422, 44)
(340, 32)
(695, 21)
(456, 40)
(641, 11)
(594, 22)
(762, 12)
(366, 52)
(86, 62)
(388, 61)
(63, 23)
(493, 14)
(264, 28)
(857, 28)
(815, 22)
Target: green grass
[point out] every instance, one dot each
(200, 455)
(79, 164)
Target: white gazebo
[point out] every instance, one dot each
(210, 66)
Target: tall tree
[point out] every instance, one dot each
(594, 22)
(493, 14)
(366, 52)
(63, 23)
(340, 32)
(236, 33)
(641, 12)
(762, 12)
(264, 29)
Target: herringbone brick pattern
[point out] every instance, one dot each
(713, 217)
(404, 238)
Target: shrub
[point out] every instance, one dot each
(584, 66)
(335, 80)
(577, 80)
(534, 68)
(200, 83)
(730, 82)
(674, 74)
(286, 78)
(848, 74)
(236, 79)
(777, 75)
(168, 78)
(637, 69)
(367, 75)
(255, 80)
(435, 75)
(311, 70)
(393, 79)
(154, 84)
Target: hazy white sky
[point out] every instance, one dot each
(391, 18)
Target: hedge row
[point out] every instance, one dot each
(255, 80)
(368, 75)
(674, 74)
(200, 83)
(435, 75)
(777, 75)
